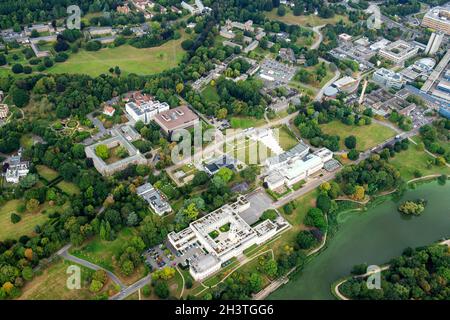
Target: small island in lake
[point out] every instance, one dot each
(415, 207)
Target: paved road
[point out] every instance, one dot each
(64, 253)
(125, 292)
(316, 44)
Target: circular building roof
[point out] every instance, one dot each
(330, 91)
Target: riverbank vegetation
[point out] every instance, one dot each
(418, 274)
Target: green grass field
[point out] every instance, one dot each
(366, 136)
(23, 227)
(210, 94)
(128, 58)
(68, 187)
(286, 138)
(244, 122)
(407, 162)
(51, 284)
(307, 21)
(103, 252)
(47, 173)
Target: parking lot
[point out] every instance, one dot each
(164, 255)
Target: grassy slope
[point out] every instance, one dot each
(307, 21)
(128, 58)
(51, 285)
(411, 160)
(366, 136)
(23, 227)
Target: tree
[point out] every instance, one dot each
(225, 173)
(102, 151)
(100, 275)
(315, 218)
(255, 282)
(27, 273)
(32, 205)
(95, 286)
(200, 178)
(281, 11)
(353, 155)
(323, 203)
(271, 268)
(69, 171)
(20, 97)
(162, 289)
(269, 214)
(306, 240)
(350, 142)
(15, 218)
(127, 267)
(359, 193)
(3, 60)
(28, 253)
(288, 208)
(17, 68)
(146, 290)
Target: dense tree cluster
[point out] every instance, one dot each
(420, 274)
(373, 175)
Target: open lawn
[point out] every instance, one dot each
(68, 187)
(411, 160)
(26, 141)
(46, 172)
(366, 136)
(210, 94)
(244, 122)
(51, 284)
(248, 151)
(286, 138)
(128, 58)
(103, 253)
(307, 21)
(8, 230)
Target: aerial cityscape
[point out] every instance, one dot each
(222, 150)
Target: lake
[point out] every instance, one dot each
(372, 237)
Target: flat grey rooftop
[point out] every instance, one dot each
(259, 202)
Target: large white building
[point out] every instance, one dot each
(142, 107)
(223, 234)
(16, 168)
(398, 52)
(438, 18)
(297, 168)
(388, 78)
(434, 43)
